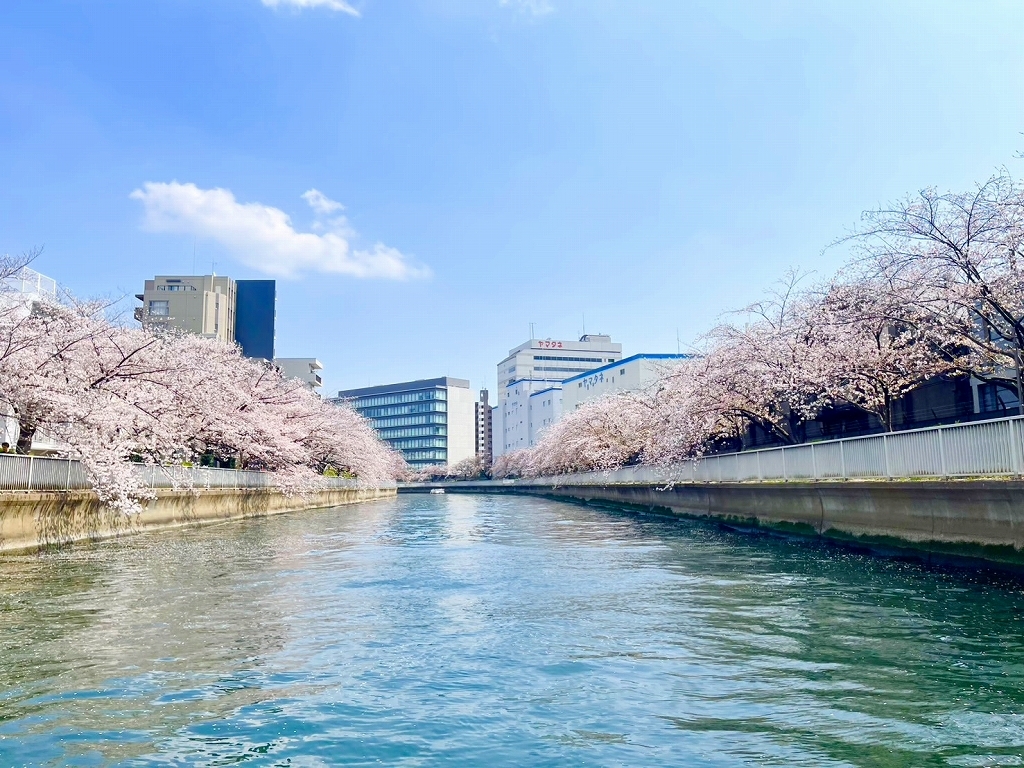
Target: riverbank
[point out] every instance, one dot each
(35, 520)
(968, 522)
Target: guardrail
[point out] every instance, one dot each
(993, 448)
(975, 449)
(39, 473)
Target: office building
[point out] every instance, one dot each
(627, 375)
(429, 421)
(203, 305)
(255, 317)
(215, 307)
(306, 369)
(529, 407)
(554, 360)
(530, 385)
(484, 429)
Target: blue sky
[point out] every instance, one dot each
(426, 178)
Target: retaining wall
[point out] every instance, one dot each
(969, 522)
(32, 520)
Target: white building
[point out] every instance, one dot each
(629, 374)
(530, 384)
(553, 360)
(529, 406)
(306, 369)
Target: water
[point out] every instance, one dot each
(460, 630)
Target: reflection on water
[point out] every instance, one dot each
(511, 631)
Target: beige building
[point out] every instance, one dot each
(204, 305)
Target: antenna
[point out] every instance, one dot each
(531, 331)
(584, 323)
(677, 342)
(193, 254)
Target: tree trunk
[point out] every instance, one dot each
(26, 431)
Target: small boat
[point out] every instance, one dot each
(437, 490)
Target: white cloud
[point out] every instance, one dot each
(320, 203)
(334, 5)
(536, 7)
(262, 237)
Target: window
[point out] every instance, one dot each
(993, 397)
(159, 309)
(622, 372)
(569, 359)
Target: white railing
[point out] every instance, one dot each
(976, 449)
(39, 473)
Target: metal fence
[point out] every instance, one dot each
(976, 449)
(39, 473)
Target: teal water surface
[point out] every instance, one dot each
(489, 630)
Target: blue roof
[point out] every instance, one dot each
(619, 363)
(544, 391)
(520, 381)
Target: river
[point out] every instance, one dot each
(499, 630)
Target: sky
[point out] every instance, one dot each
(426, 178)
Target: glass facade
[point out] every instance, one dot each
(412, 420)
(255, 317)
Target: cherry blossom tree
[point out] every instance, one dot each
(113, 394)
(956, 259)
(875, 349)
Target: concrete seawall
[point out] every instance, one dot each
(975, 522)
(30, 521)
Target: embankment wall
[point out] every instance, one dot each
(31, 520)
(967, 522)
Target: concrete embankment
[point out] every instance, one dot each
(30, 521)
(970, 522)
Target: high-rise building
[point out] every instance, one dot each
(213, 306)
(530, 385)
(430, 421)
(255, 317)
(484, 429)
(204, 305)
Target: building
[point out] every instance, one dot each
(215, 307)
(484, 429)
(530, 385)
(306, 369)
(552, 360)
(430, 421)
(204, 305)
(256, 317)
(627, 375)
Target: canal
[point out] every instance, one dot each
(501, 630)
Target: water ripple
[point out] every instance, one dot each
(463, 630)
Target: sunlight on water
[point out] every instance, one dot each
(464, 630)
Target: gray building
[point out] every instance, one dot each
(429, 421)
